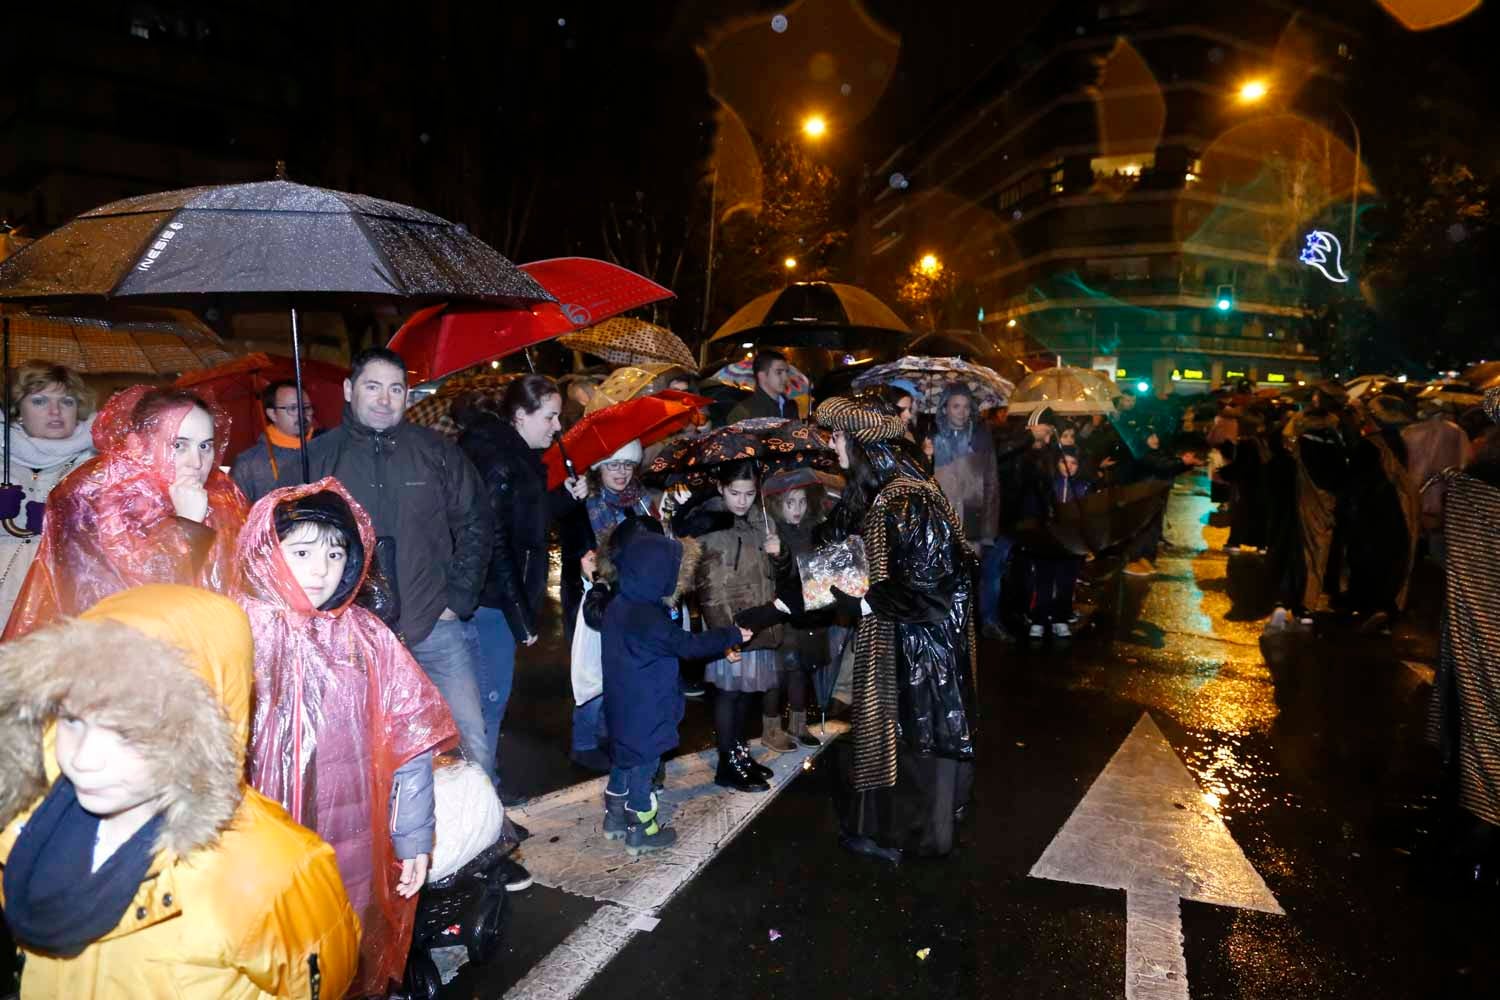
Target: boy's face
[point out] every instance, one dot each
(794, 506)
(1068, 465)
(109, 775)
(317, 564)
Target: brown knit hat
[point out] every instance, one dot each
(862, 422)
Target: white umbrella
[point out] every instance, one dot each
(1064, 390)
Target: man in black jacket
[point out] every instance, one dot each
(432, 527)
(769, 398)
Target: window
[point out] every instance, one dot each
(1122, 169)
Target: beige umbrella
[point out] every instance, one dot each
(632, 381)
(126, 341)
(625, 341)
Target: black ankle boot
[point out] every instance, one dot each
(732, 773)
(756, 768)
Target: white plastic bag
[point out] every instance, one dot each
(588, 658)
(469, 815)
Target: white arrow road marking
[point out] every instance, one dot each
(1145, 827)
(567, 851)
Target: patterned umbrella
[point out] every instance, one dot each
(933, 376)
(771, 442)
(434, 410)
(632, 381)
(117, 340)
(742, 374)
(624, 341)
(1064, 390)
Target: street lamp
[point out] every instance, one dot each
(790, 263)
(814, 126)
(929, 265)
(1256, 90)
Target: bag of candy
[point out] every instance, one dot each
(840, 565)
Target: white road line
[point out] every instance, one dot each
(567, 851)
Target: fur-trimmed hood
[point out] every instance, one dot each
(170, 669)
(607, 572)
(644, 570)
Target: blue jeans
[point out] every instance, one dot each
(447, 656)
(495, 669)
(634, 783)
(992, 563)
(588, 724)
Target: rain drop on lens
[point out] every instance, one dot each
(778, 23)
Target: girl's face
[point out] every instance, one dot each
(958, 408)
(739, 496)
(616, 476)
(841, 448)
(928, 448)
(794, 506)
(193, 448)
(316, 561)
(50, 412)
(109, 775)
(1068, 465)
(1067, 437)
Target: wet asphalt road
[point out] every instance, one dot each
(1309, 745)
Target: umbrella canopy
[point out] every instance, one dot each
(1101, 521)
(1064, 390)
(270, 237)
(624, 341)
(236, 387)
(434, 410)
(771, 442)
(1370, 384)
(602, 433)
(742, 374)
(444, 339)
(632, 381)
(933, 376)
(814, 314)
(116, 340)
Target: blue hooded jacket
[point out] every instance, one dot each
(643, 703)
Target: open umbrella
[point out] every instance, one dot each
(1064, 390)
(444, 339)
(271, 238)
(236, 387)
(634, 380)
(111, 339)
(773, 443)
(600, 434)
(1101, 521)
(814, 314)
(742, 374)
(626, 341)
(434, 410)
(933, 376)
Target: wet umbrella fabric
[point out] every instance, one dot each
(634, 380)
(814, 314)
(932, 377)
(602, 433)
(434, 411)
(625, 341)
(772, 443)
(1101, 521)
(116, 339)
(1064, 390)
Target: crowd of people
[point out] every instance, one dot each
(328, 646)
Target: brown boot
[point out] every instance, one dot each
(799, 731)
(773, 737)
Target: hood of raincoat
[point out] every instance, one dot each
(265, 574)
(950, 443)
(111, 524)
(177, 686)
(654, 568)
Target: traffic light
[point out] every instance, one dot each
(1224, 298)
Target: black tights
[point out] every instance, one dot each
(731, 714)
(795, 681)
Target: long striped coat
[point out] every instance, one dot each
(1464, 716)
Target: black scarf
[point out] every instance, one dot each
(54, 903)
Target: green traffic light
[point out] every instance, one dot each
(1143, 387)
(1225, 305)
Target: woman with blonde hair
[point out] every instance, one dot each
(51, 433)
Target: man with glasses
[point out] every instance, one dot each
(257, 468)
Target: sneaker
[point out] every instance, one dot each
(1061, 630)
(514, 875)
(1037, 631)
(1141, 567)
(691, 689)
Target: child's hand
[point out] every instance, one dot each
(413, 875)
(589, 564)
(773, 545)
(745, 636)
(733, 656)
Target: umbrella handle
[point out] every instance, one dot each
(15, 532)
(5, 374)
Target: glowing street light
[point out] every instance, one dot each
(1010, 323)
(815, 126)
(1253, 90)
(929, 264)
(790, 263)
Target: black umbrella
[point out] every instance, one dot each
(271, 238)
(814, 314)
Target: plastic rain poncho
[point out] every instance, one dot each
(110, 524)
(339, 706)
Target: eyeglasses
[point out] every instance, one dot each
(291, 409)
(618, 467)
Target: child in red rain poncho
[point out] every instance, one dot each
(152, 507)
(346, 722)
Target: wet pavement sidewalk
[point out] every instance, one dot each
(1304, 753)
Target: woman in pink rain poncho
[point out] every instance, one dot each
(152, 507)
(345, 720)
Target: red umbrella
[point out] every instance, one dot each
(443, 339)
(236, 387)
(600, 434)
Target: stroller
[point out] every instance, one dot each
(464, 901)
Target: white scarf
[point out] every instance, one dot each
(27, 452)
